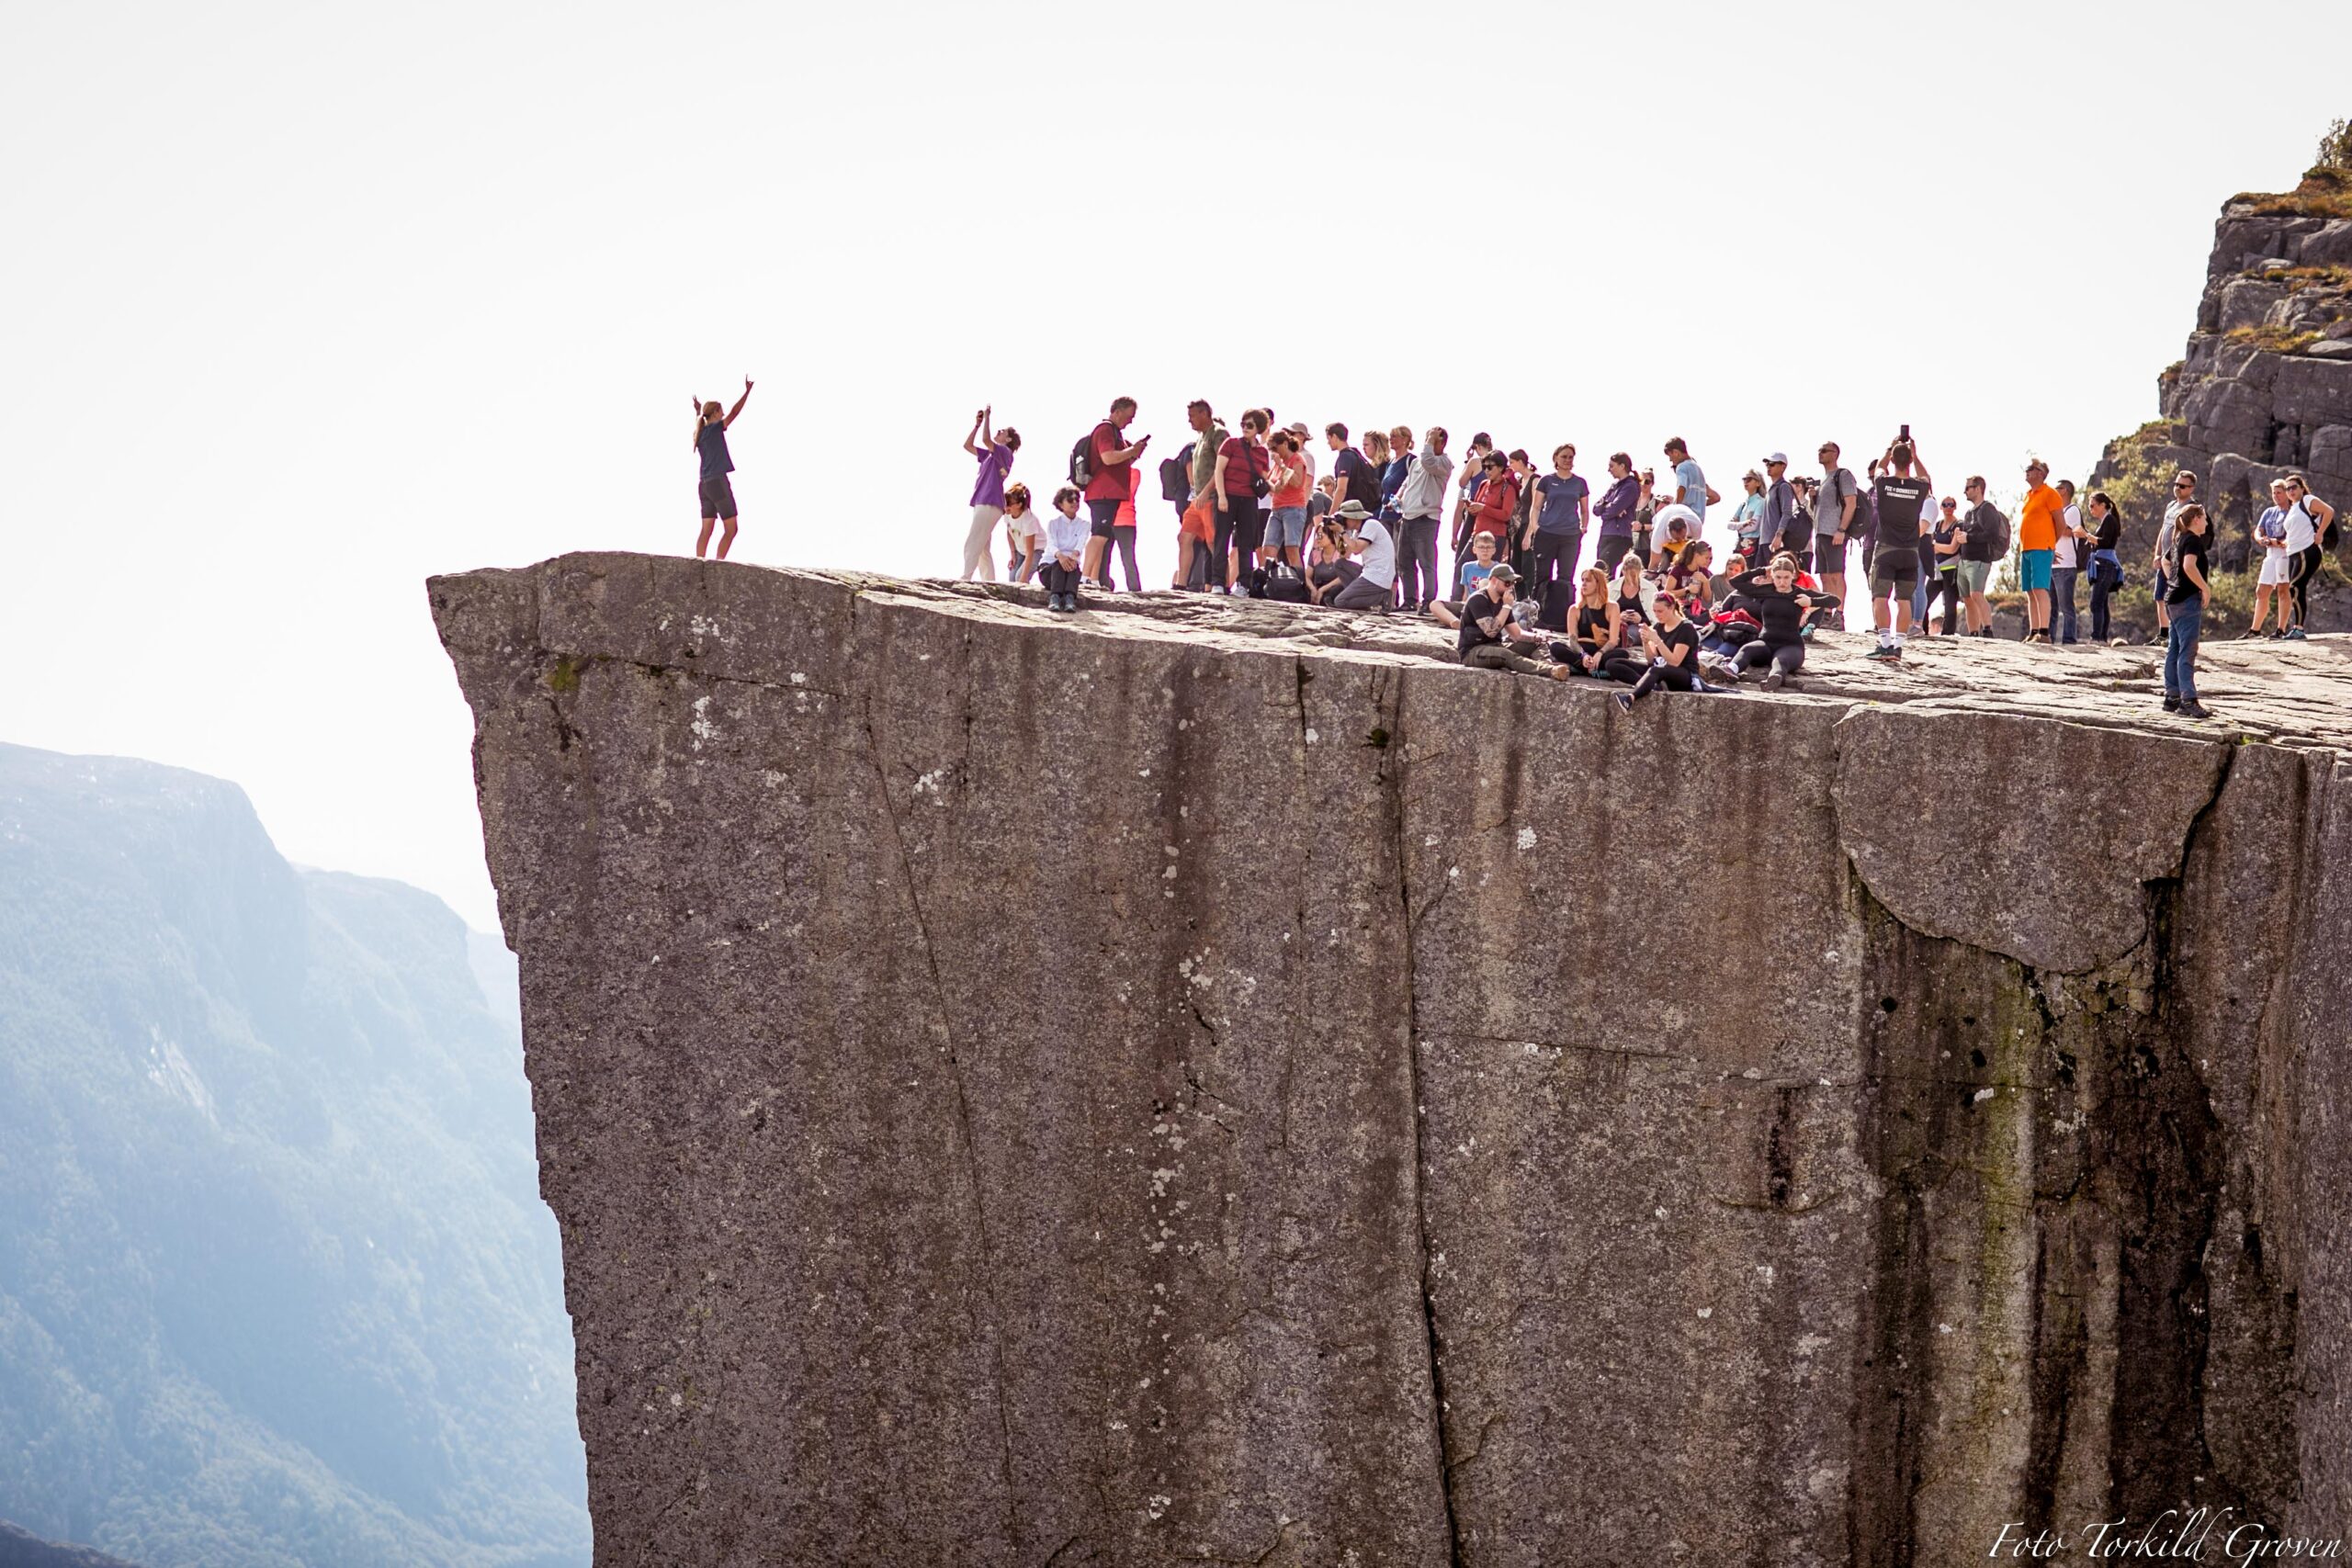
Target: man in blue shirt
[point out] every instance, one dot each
(1690, 484)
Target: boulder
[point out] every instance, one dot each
(1211, 1080)
(2328, 245)
(2228, 416)
(2246, 302)
(2312, 391)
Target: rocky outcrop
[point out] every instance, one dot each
(2265, 388)
(1219, 1082)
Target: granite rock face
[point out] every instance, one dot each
(1218, 1082)
(2265, 389)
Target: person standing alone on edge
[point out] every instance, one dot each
(718, 491)
(995, 450)
(1833, 517)
(1895, 555)
(2039, 520)
(1110, 473)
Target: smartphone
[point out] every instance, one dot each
(1907, 433)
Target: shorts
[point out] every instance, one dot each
(1895, 572)
(1104, 517)
(1828, 557)
(2277, 569)
(1973, 575)
(718, 498)
(1200, 522)
(1286, 528)
(2033, 569)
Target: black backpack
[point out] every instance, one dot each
(1281, 583)
(1081, 460)
(1364, 485)
(1999, 546)
(1175, 480)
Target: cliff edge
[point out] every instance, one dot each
(1219, 1082)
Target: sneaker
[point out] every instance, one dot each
(1884, 651)
(1804, 633)
(1070, 604)
(2249, 632)
(2172, 702)
(2192, 708)
(1239, 591)
(1774, 680)
(1624, 701)
(2295, 634)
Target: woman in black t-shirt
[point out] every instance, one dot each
(1590, 638)
(1672, 645)
(2184, 591)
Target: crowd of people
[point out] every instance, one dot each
(1494, 550)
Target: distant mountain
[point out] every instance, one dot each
(275, 1284)
(20, 1549)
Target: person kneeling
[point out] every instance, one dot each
(1491, 640)
(1673, 648)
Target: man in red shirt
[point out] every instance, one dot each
(1110, 480)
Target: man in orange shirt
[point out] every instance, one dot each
(2038, 524)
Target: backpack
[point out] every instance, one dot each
(1364, 485)
(1081, 460)
(1999, 546)
(1281, 583)
(1175, 480)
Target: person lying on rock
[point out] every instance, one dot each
(1491, 638)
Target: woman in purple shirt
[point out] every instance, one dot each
(1615, 509)
(995, 451)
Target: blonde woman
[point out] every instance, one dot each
(718, 491)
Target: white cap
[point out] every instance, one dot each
(1776, 458)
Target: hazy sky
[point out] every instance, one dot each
(305, 302)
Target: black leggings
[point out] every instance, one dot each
(1673, 677)
(2298, 582)
(1123, 540)
(1555, 570)
(1788, 659)
(1947, 585)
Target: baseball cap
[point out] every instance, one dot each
(1776, 458)
(1502, 574)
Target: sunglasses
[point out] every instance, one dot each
(2182, 484)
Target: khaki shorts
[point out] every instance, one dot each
(1974, 575)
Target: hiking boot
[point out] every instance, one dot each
(2172, 702)
(2192, 708)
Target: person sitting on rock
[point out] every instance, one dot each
(1065, 537)
(1781, 610)
(1672, 647)
(1328, 569)
(1591, 635)
(1491, 636)
(1027, 530)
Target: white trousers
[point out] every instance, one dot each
(980, 552)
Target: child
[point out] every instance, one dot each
(1065, 537)
(1026, 530)
(1475, 570)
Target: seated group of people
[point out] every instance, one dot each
(1666, 629)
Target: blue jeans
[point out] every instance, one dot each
(2180, 654)
(2063, 622)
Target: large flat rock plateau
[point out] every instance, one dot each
(1202, 1082)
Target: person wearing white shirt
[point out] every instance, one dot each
(2066, 565)
(1065, 537)
(2307, 517)
(1375, 553)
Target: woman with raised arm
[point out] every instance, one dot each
(718, 491)
(1780, 608)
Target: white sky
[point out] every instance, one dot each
(305, 302)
